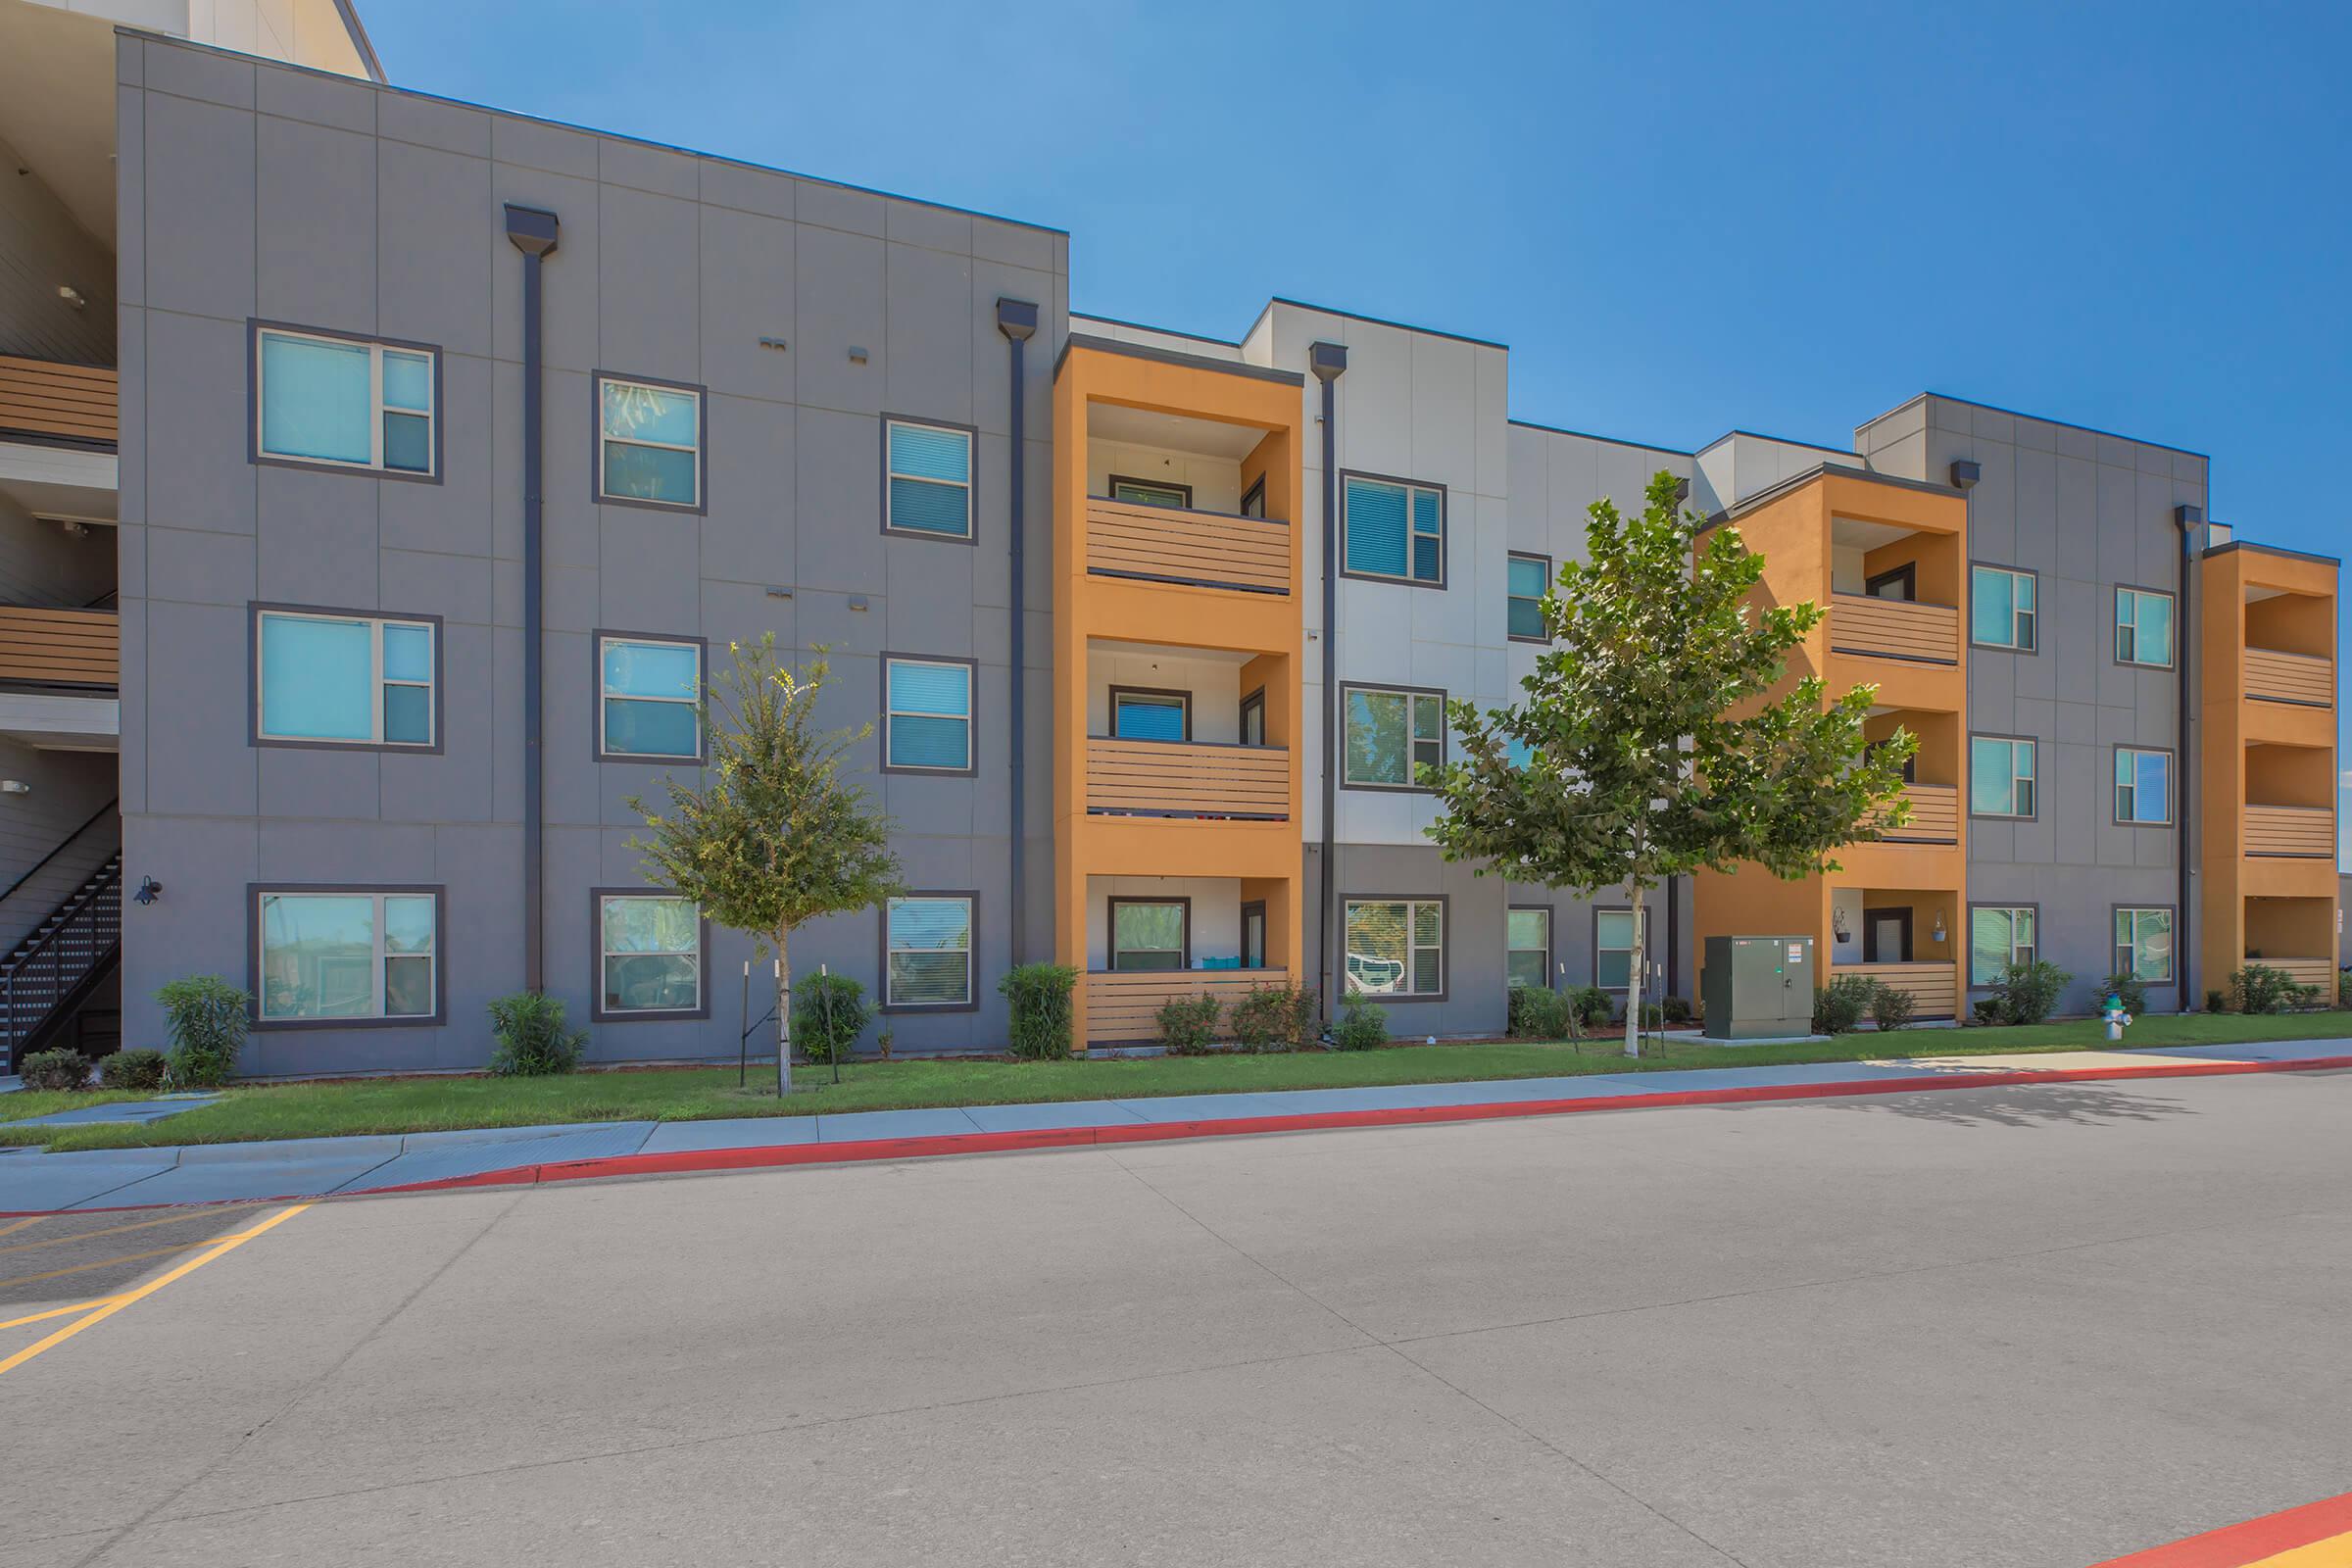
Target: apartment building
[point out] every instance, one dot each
(406, 466)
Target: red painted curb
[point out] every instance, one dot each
(2238, 1546)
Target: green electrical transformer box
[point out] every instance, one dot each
(1757, 988)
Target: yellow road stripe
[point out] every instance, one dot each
(2334, 1552)
(125, 1230)
(55, 1312)
(22, 1225)
(228, 1244)
(109, 1262)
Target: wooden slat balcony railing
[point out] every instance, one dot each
(53, 402)
(1935, 816)
(2275, 677)
(60, 646)
(1123, 1005)
(2318, 972)
(1935, 987)
(1195, 548)
(1171, 778)
(2307, 831)
(1895, 628)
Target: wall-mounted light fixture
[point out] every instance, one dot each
(71, 295)
(15, 785)
(776, 343)
(150, 890)
(856, 354)
(1966, 471)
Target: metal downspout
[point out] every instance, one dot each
(1017, 321)
(532, 231)
(1329, 362)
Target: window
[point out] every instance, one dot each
(1998, 936)
(2000, 776)
(2143, 786)
(927, 951)
(1253, 499)
(344, 401)
(651, 689)
(927, 716)
(1151, 933)
(1529, 578)
(1254, 718)
(2143, 627)
(928, 479)
(1147, 713)
(324, 679)
(2001, 608)
(2143, 945)
(340, 954)
(649, 439)
(1900, 584)
(1394, 529)
(649, 955)
(1527, 943)
(1390, 732)
(1397, 947)
(1148, 493)
(1613, 947)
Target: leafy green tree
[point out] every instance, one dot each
(777, 835)
(1651, 742)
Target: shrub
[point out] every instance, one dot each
(62, 1068)
(2029, 990)
(132, 1069)
(1838, 1006)
(829, 1011)
(2343, 989)
(1677, 1010)
(1653, 1016)
(1274, 1018)
(1363, 1026)
(531, 1038)
(1892, 1007)
(1040, 995)
(1591, 1006)
(882, 1044)
(1188, 1024)
(206, 1018)
(1539, 1012)
(2259, 987)
(2216, 1001)
(2129, 988)
(1987, 1011)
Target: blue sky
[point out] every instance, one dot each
(1681, 218)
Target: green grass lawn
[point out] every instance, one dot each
(427, 1105)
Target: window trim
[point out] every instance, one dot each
(1908, 575)
(2115, 634)
(1647, 951)
(1444, 529)
(1255, 700)
(1266, 931)
(1871, 917)
(1110, 932)
(972, 435)
(595, 683)
(596, 1011)
(972, 719)
(439, 892)
(1183, 700)
(1969, 948)
(1444, 903)
(700, 505)
(1256, 491)
(256, 326)
(972, 966)
(2114, 949)
(1551, 926)
(1443, 751)
(2114, 802)
(2014, 571)
(1510, 635)
(2035, 741)
(1111, 483)
(256, 609)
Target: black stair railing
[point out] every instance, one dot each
(54, 970)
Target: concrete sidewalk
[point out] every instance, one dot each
(35, 1182)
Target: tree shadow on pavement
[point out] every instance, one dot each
(2022, 1106)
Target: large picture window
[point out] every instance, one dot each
(1395, 528)
(648, 955)
(1150, 934)
(649, 697)
(1998, 936)
(2000, 776)
(649, 442)
(1397, 947)
(325, 678)
(927, 716)
(345, 402)
(2143, 945)
(2143, 627)
(2001, 608)
(1390, 732)
(927, 951)
(345, 954)
(2143, 786)
(928, 479)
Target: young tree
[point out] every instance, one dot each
(1652, 744)
(777, 836)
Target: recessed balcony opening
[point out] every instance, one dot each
(1907, 938)
(2296, 935)
(1932, 775)
(1187, 732)
(2290, 646)
(1153, 940)
(1176, 499)
(1894, 591)
(2290, 802)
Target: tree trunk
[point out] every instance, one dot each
(783, 1016)
(1632, 981)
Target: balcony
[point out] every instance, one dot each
(1934, 988)
(1123, 1006)
(1176, 545)
(1934, 816)
(2273, 676)
(2298, 831)
(50, 402)
(1895, 628)
(1191, 780)
(75, 647)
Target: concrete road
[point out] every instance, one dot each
(2037, 1326)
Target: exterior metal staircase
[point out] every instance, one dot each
(56, 965)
